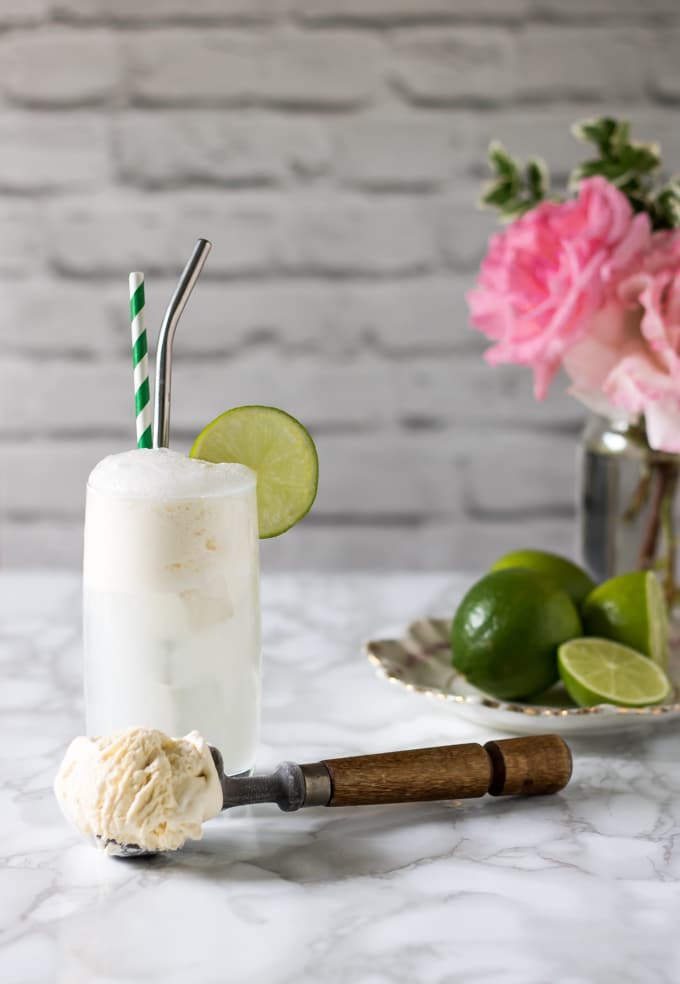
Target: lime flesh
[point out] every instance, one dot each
(630, 609)
(279, 449)
(598, 671)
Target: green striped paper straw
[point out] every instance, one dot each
(140, 363)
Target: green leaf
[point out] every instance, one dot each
(498, 193)
(667, 206)
(514, 191)
(639, 201)
(672, 214)
(501, 161)
(625, 178)
(587, 131)
(619, 138)
(641, 157)
(611, 170)
(537, 178)
(628, 164)
(599, 131)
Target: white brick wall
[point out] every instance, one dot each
(43, 153)
(56, 66)
(332, 150)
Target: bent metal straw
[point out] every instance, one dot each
(178, 301)
(140, 362)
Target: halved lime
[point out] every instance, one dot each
(598, 671)
(568, 575)
(630, 609)
(279, 449)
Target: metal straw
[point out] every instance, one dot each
(178, 301)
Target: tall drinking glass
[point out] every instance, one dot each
(171, 600)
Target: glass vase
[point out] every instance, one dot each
(627, 507)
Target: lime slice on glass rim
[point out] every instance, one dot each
(279, 449)
(630, 609)
(598, 671)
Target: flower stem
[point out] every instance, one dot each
(661, 520)
(640, 495)
(668, 527)
(650, 536)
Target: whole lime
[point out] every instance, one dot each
(568, 575)
(507, 630)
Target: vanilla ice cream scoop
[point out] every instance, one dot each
(139, 792)
(139, 787)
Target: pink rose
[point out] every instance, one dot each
(629, 363)
(549, 272)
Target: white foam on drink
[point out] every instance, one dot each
(160, 473)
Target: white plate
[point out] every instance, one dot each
(420, 661)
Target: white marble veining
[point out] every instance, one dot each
(579, 887)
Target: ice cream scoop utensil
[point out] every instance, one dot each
(528, 766)
(515, 766)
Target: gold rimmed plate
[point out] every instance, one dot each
(419, 659)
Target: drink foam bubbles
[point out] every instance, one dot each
(160, 473)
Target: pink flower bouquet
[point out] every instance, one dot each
(590, 283)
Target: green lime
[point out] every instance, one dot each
(598, 671)
(630, 609)
(570, 577)
(279, 449)
(507, 629)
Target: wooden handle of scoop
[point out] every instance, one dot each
(515, 766)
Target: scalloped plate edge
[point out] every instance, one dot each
(412, 652)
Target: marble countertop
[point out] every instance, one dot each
(578, 887)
